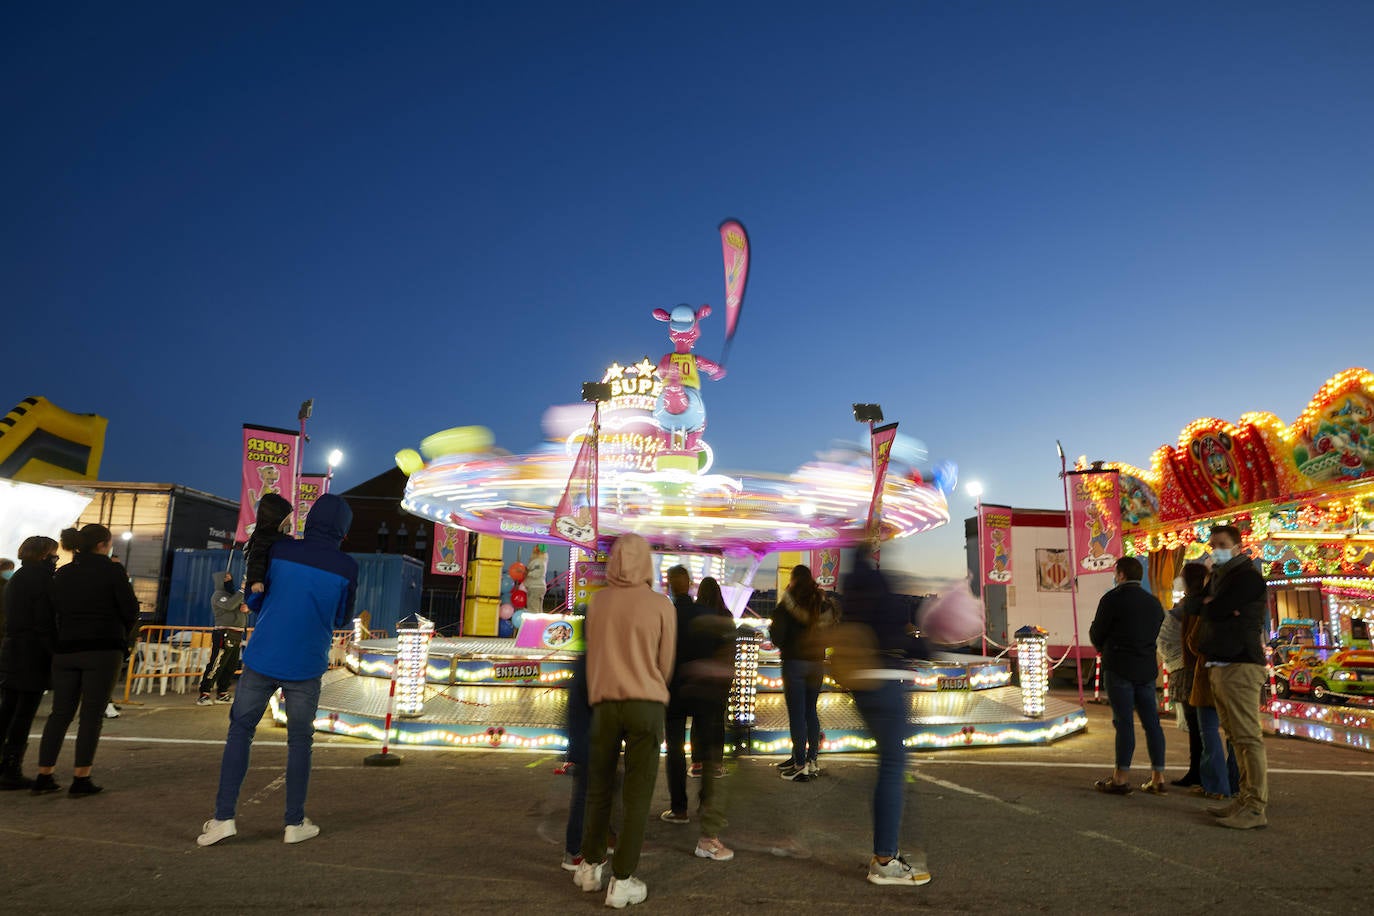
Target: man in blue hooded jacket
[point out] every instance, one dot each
(310, 588)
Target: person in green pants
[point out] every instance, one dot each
(631, 633)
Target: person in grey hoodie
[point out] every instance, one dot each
(230, 619)
(631, 640)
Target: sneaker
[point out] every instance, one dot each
(213, 831)
(721, 772)
(205, 700)
(223, 699)
(1247, 818)
(588, 876)
(783, 765)
(1226, 810)
(694, 771)
(713, 848)
(626, 891)
(570, 861)
(672, 817)
(795, 772)
(111, 711)
(813, 769)
(299, 833)
(896, 871)
(82, 785)
(43, 783)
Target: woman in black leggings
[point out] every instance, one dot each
(25, 655)
(96, 611)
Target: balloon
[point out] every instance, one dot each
(409, 461)
(518, 571)
(507, 612)
(518, 620)
(519, 598)
(505, 629)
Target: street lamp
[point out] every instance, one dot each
(335, 459)
(127, 537)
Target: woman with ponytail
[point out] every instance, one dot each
(95, 611)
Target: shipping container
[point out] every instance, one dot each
(388, 586)
(149, 522)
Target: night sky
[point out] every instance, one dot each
(1008, 223)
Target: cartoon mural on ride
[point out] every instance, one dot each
(1292, 489)
(652, 468)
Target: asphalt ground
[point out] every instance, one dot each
(1004, 830)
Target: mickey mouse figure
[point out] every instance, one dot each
(679, 410)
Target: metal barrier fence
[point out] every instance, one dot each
(177, 656)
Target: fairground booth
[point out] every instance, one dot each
(1302, 495)
(634, 458)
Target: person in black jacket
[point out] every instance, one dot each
(274, 514)
(25, 655)
(95, 611)
(1125, 631)
(803, 657)
(1232, 638)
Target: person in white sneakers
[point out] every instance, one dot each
(631, 634)
(309, 593)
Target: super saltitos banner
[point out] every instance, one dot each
(310, 488)
(269, 466)
(1095, 519)
(995, 525)
(450, 555)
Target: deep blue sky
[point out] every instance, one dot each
(1006, 222)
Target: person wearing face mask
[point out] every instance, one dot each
(25, 655)
(230, 618)
(1234, 614)
(95, 610)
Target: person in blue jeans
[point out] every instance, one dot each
(869, 602)
(793, 631)
(1125, 630)
(309, 592)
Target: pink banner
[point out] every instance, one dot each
(883, 437)
(994, 526)
(450, 554)
(825, 567)
(575, 518)
(308, 490)
(269, 466)
(1094, 519)
(734, 245)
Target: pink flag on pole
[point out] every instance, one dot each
(995, 548)
(1094, 519)
(310, 488)
(734, 245)
(575, 518)
(883, 437)
(269, 466)
(450, 553)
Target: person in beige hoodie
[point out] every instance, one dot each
(631, 635)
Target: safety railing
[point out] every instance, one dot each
(176, 657)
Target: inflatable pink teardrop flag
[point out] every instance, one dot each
(734, 246)
(952, 618)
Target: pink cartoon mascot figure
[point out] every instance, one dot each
(679, 410)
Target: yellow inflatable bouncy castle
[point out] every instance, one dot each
(40, 441)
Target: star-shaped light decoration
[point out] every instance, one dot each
(614, 371)
(645, 368)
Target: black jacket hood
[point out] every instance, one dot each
(272, 508)
(329, 520)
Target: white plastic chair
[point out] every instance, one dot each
(154, 658)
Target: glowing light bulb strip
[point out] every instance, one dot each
(412, 667)
(1033, 667)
